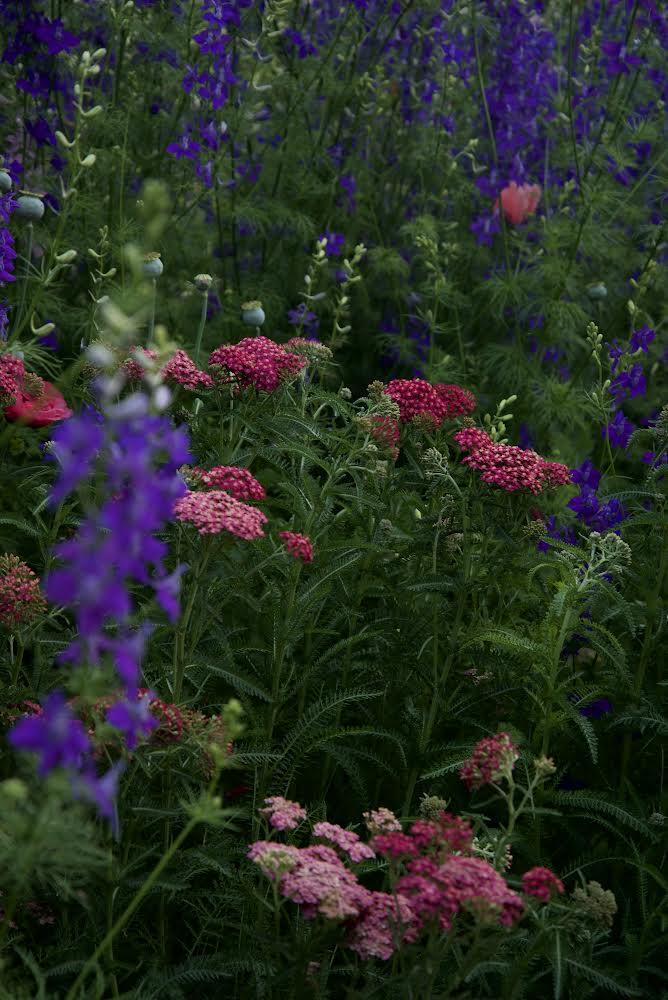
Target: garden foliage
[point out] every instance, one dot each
(333, 526)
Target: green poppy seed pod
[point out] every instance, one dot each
(5, 182)
(29, 207)
(597, 291)
(152, 265)
(252, 313)
(202, 282)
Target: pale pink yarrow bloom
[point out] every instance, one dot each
(346, 840)
(384, 924)
(322, 884)
(282, 814)
(381, 820)
(273, 859)
(217, 511)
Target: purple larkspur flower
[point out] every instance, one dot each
(132, 716)
(631, 381)
(619, 430)
(56, 735)
(586, 475)
(641, 339)
(101, 791)
(335, 243)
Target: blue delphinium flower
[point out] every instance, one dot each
(619, 430)
(56, 735)
(641, 339)
(631, 381)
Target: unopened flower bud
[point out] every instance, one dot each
(89, 160)
(66, 257)
(597, 291)
(345, 393)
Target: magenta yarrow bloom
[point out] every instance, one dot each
(298, 546)
(492, 760)
(433, 403)
(508, 467)
(541, 883)
(257, 362)
(346, 840)
(216, 511)
(239, 483)
(282, 814)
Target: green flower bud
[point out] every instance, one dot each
(66, 257)
(597, 291)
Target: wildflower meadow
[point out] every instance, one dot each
(333, 522)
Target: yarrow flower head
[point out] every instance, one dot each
(432, 403)
(21, 600)
(182, 371)
(257, 362)
(541, 883)
(347, 840)
(381, 821)
(238, 482)
(508, 467)
(386, 919)
(217, 511)
(298, 546)
(492, 760)
(282, 814)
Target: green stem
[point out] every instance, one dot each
(131, 908)
(200, 328)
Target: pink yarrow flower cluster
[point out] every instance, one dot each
(298, 546)
(257, 362)
(542, 884)
(238, 482)
(12, 373)
(508, 467)
(347, 840)
(283, 814)
(21, 600)
(440, 879)
(518, 202)
(180, 369)
(492, 759)
(216, 511)
(432, 403)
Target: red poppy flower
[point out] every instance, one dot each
(519, 203)
(38, 411)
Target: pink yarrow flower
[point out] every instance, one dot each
(282, 814)
(385, 923)
(322, 884)
(257, 362)
(541, 883)
(381, 821)
(518, 202)
(507, 466)
(239, 483)
(432, 403)
(492, 759)
(346, 840)
(217, 511)
(181, 370)
(298, 546)
(273, 859)
(21, 600)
